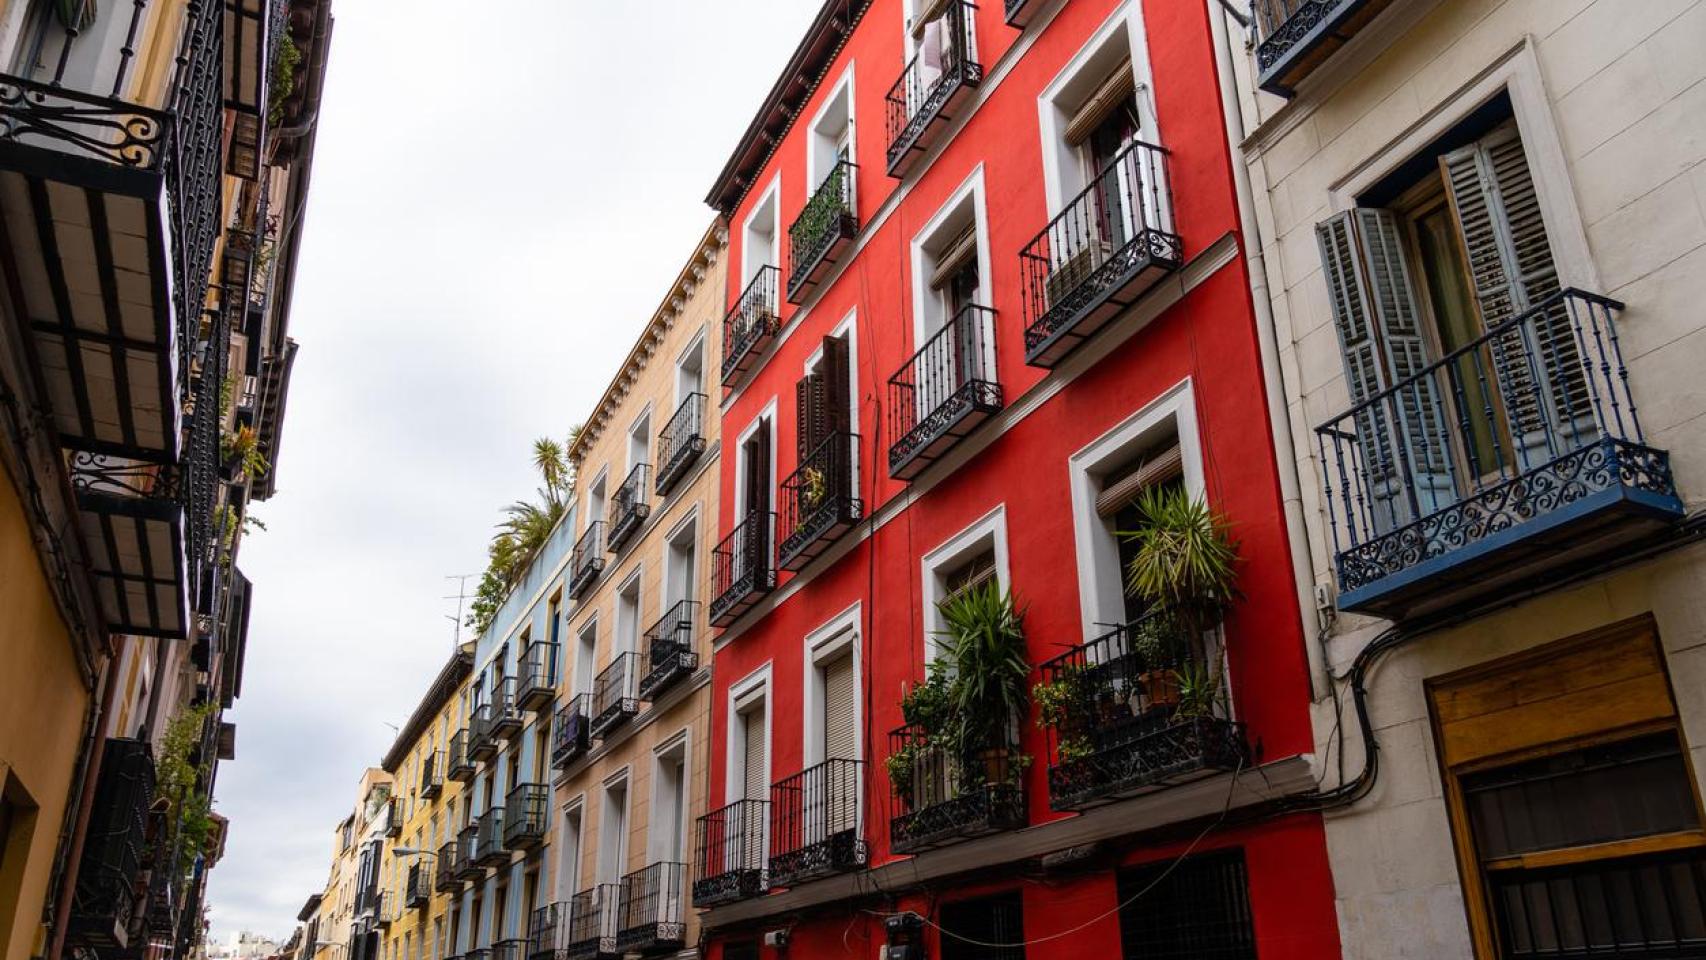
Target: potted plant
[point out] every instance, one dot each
(1149, 639)
(1067, 704)
(240, 454)
(985, 640)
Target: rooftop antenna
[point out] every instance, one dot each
(461, 597)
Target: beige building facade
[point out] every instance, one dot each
(1478, 231)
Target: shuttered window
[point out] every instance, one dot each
(1112, 94)
(959, 253)
(1122, 487)
(752, 730)
(973, 573)
(840, 739)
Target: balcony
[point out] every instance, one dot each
(570, 737)
(1299, 35)
(615, 694)
(536, 687)
(110, 191)
(586, 559)
(459, 766)
(417, 888)
(935, 84)
(1511, 459)
(514, 948)
(1019, 13)
(526, 810)
(447, 878)
(667, 655)
(592, 923)
(939, 798)
(1130, 723)
(503, 720)
(489, 849)
(478, 953)
(815, 824)
(944, 392)
(106, 893)
(383, 909)
(432, 775)
(482, 746)
(393, 818)
(742, 571)
(548, 931)
(653, 914)
(750, 325)
(820, 501)
(629, 506)
(680, 443)
(467, 847)
(729, 854)
(1107, 247)
(824, 230)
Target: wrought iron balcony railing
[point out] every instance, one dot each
(730, 852)
(586, 559)
(571, 731)
(489, 848)
(680, 443)
(1297, 36)
(1143, 709)
(106, 901)
(653, 913)
(943, 392)
(935, 84)
(615, 694)
(536, 685)
(1512, 455)
(548, 931)
(467, 852)
(417, 888)
(503, 719)
(432, 775)
(477, 953)
(1107, 247)
(823, 231)
(820, 501)
(482, 745)
(816, 823)
(382, 909)
(459, 765)
(667, 655)
(630, 505)
(393, 818)
(447, 877)
(513, 948)
(592, 923)
(742, 569)
(1019, 13)
(750, 325)
(941, 797)
(526, 811)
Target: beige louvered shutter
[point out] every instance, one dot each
(752, 722)
(840, 740)
(1156, 469)
(1512, 272)
(1401, 438)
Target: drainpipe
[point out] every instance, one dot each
(1273, 375)
(89, 772)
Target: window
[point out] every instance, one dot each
(596, 498)
(950, 264)
(613, 833)
(760, 234)
(586, 656)
(681, 562)
(823, 405)
(970, 926)
(749, 738)
(627, 638)
(1196, 910)
(569, 866)
(1092, 112)
(831, 141)
(667, 824)
(974, 555)
(690, 370)
(755, 470)
(17, 823)
(639, 444)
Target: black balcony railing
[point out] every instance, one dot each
(742, 568)
(513, 948)
(526, 810)
(417, 887)
(477, 953)
(384, 910)
(548, 931)
(1107, 247)
(586, 560)
(653, 913)
(1143, 707)
(447, 877)
(815, 823)
(823, 231)
(394, 818)
(750, 324)
(432, 775)
(943, 392)
(939, 79)
(1299, 35)
(592, 923)
(940, 796)
(571, 731)
(680, 443)
(630, 505)
(106, 898)
(820, 501)
(667, 655)
(1019, 13)
(1494, 464)
(467, 853)
(482, 744)
(730, 853)
(504, 714)
(489, 848)
(536, 683)
(615, 693)
(459, 766)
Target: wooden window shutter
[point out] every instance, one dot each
(1159, 468)
(837, 375)
(1402, 438)
(1120, 87)
(840, 738)
(810, 399)
(752, 733)
(1511, 269)
(954, 257)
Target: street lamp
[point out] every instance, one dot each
(412, 852)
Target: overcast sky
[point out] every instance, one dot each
(502, 191)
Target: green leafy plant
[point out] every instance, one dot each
(900, 766)
(180, 780)
(525, 528)
(817, 487)
(244, 447)
(1200, 690)
(984, 635)
(1067, 703)
(283, 81)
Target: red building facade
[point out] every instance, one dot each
(985, 284)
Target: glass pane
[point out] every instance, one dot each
(1632, 907)
(1474, 394)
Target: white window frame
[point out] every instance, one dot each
(688, 524)
(821, 645)
(847, 330)
(820, 146)
(680, 741)
(932, 234)
(1062, 173)
(598, 491)
(765, 417)
(989, 530)
(582, 685)
(1101, 588)
(618, 780)
(642, 419)
(695, 348)
(618, 645)
(742, 694)
(769, 204)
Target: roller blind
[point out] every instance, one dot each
(1168, 464)
(954, 257)
(752, 722)
(1118, 88)
(840, 739)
